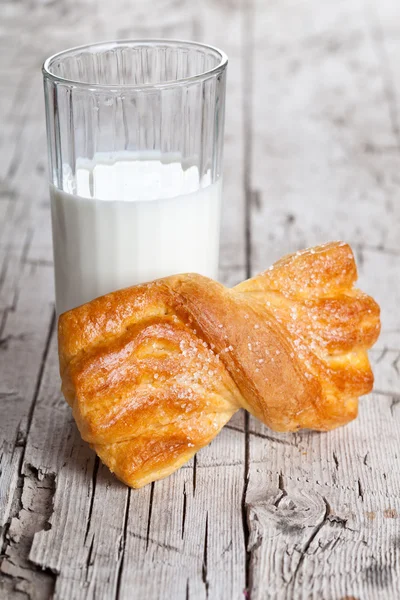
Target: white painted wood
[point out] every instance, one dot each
(89, 503)
(198, 533)
(312, 153)
(23, 350)
(323, 508)
(101, 539)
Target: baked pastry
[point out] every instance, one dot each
(153, 372)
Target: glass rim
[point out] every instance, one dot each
(48, 74)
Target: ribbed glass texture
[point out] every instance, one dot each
(139, 96)
(135, 136)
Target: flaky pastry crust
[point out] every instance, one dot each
(153, 372)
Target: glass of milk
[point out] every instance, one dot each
(135, 139)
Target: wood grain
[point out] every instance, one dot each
(312, 151)
(323, 508)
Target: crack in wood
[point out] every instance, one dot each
(89, 561)
(359, 252)
(194, 474)
(245, 515)
(281, 487)
(334, 473)
(3, 273)
(281, 484)
(8, 395)
(382, 355)
(16, 506)
(379, 249)
(204, 573)
(31, 513)
(226, 549)
(156, 542)
(308, 543)
(122, 546)
(26, 246)
(21, 436)
(360, 490)
(4, 342)
(329, 545)
(233, 428)
(206, 466)
(387, 394)
(271, 438)
(342, 522)
(395, 402)
(92, 495)
(371, 148)
(335, 459)
(7, 192)
(255, 199)
(45, 355)
(395, 364)
(184, 511)
(149, 514)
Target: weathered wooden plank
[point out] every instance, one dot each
(88, 505)
(105, 553)
(178, 531)
(221, 472)
(322, 508)
(22, 185)
(320, 161)
(23, 349)
(176, 528)
(32, 513)
(197, 534)
(384, 30)
(26, 293)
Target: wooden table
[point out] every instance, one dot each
(312, 153)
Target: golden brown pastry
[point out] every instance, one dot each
(153, 372)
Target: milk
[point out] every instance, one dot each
(130, 219)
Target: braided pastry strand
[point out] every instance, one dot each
(153, 372)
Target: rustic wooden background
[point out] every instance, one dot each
(312, 154)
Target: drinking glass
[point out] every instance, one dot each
(135, 141)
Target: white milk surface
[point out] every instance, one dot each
(131, 220)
